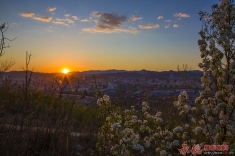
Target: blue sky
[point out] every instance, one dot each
(83, 35)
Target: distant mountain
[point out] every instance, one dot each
(111, 72)
(92, 72)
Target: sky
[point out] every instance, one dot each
(80, 35)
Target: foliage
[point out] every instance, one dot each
(46, 123)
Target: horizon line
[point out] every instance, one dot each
(99, 70)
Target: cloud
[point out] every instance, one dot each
(69, 20)
(181, 15)
(85, 20)
(67, 15)
(60, 23)
(96, 14)
(43, 19)
(110, 20)
(110, 23)
(167, 26)
(160, 17)
(167, 20)
(175, 25)
(131, 30)
(74, 17)
(133, 18)
(51, 9)
(58, 19)
(27, 14)
(149, 26)
(38, 18)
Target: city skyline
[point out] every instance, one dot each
(91, 35)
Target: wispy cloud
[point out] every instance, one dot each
(60, 23)
(27, 14)
(181, 15)
(58, 19)
(38, 18)
(133, 18)
(175, 25)
(130, 30)
(85, 20)
(74, 17)
(51, 9)
(160, 17)
(43, 19)
(96, 14)
(67, 15)
(167, 26)
(149, 26)
(69, 20)
(109, 23)
(167, 20)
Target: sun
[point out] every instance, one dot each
(65, 71)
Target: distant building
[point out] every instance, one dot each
(111, 86)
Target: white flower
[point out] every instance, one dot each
(142, 127)
(197, 130)
(163, 141)
(159, 120)
(175, 143)
(106, 98)
(204, 101)
(138, 147)
(177, 129)
(193, 109)
(201, 122)
(116, 125)
(99, 101)
(134, 118)
(144, 104)
(158, 114)
(184, 136)
(148, 129)
(232, 99)
(157, 149)
(144, 109)
(145, 121)
(193, 120)
(163, 153)
(155, 135)
(147, 142)
(187, 108)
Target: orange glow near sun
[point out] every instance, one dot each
(65, 71)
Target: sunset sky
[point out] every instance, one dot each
(84, 35)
